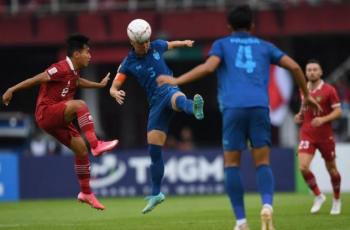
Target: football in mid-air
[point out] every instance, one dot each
(139, 31)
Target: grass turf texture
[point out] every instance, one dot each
(176, 213)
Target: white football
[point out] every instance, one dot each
(139, 31)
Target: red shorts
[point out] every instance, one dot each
(326, 148)
(51, 119)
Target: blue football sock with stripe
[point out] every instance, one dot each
(184, 104)
(235, 191)
(157, 167)
(265, 183)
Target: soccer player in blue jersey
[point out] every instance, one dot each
(145, 62)
(242, 63)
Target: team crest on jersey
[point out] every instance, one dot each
(156, 55)
(318, 98)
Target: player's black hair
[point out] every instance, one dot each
(76, 42)
(241, 18)
(313, 61)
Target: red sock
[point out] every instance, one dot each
(82, 169)
(336, 179)
(86, 125)
(311, 182)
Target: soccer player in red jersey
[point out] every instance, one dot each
(316, 133)
(56, 108)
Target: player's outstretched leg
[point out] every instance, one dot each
(157, 173)
(194, 106)
(152, 202)
(82, 170)
(86, 125)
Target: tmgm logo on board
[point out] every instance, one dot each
(185, 169)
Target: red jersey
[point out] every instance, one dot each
(61, 87)
(327, 97)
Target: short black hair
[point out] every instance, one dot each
(241, 18)
(76, 42)
(313, 61)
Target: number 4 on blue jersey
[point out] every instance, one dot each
(244, 59)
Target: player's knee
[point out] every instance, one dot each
(231, 160)
(80, 103)
(75, 105)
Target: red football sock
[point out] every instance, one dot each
(86, 125)
(336, 179)
(311, 182)
(82, 169)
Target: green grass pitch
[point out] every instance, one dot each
(176, 213)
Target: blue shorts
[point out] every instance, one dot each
(245, 124)
(161, 112)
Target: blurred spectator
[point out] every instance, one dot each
(171, 142)
(183, 143)
(186, 139)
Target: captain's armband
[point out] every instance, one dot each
(119, 78)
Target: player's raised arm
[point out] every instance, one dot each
(115, 91)
(297, 73)
(177, 44)
(202, 70)
(84, 83)
(28, 83)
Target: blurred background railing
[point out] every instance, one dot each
(55, 6)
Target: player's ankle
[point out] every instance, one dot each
(241, 221)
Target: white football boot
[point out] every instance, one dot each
(336, 207)
(318, 202)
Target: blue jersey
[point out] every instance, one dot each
(147, 68)
(243, 73)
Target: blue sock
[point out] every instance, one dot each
(157, 167)
(184, 104)
(265, 183)
(235, 191)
